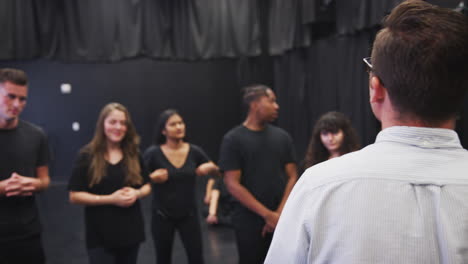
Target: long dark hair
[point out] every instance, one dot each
(330, 122)
(159, 137)
(97, 149)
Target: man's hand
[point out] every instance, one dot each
(271, 220)
(18, 185)
(266, 229)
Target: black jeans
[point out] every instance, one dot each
(24, 251)
(251, 246)
(163, 229)
(121, 255)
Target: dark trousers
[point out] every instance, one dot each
(121, 255)
(251, 246)
(24, 251)
(163, 229)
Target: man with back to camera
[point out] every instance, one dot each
(23, 172)
(403, 199)
(259, 167)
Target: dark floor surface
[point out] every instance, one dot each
(63, 233)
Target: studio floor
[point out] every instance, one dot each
(63, 233)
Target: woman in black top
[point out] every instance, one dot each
(332, 136)
(108, 178)
(174, 165)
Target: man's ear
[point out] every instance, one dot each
(377, 91)
(253, 105)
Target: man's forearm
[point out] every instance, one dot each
(2, 187)
(41, 184)
(43, 178)
(246, 198)
(291, 172)
(287, 191)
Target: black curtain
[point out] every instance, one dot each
(355, 15)
(105, 30)
(29, 28)
(327, 76)
(114, 30)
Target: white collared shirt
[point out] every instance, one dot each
(403, 199)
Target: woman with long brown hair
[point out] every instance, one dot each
(174, 165)
(332, 136)
(109, 178)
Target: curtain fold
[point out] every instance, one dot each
(115, 30)
(22, 29)
(356, 15)
(105, 30)
(318, 11)
(204, 29)
(296, 23)
(285, 29)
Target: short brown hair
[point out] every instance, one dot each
(421, 57)
(14, 76)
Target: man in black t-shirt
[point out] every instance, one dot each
(23, 172)
(259, 167)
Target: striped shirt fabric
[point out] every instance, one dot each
(403, 199)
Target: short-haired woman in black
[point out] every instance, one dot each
(174, 165)
(109, 178)
(332, 136)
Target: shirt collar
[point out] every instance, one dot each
(423, 137)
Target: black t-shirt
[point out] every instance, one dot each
(175, 198)
(109, 226)
(22, 150)
(261, 156)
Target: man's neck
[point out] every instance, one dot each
(8, 123)
(253, 123)
(447, 124)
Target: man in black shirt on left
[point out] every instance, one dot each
(23, 172)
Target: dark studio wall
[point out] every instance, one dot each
(206, 93)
